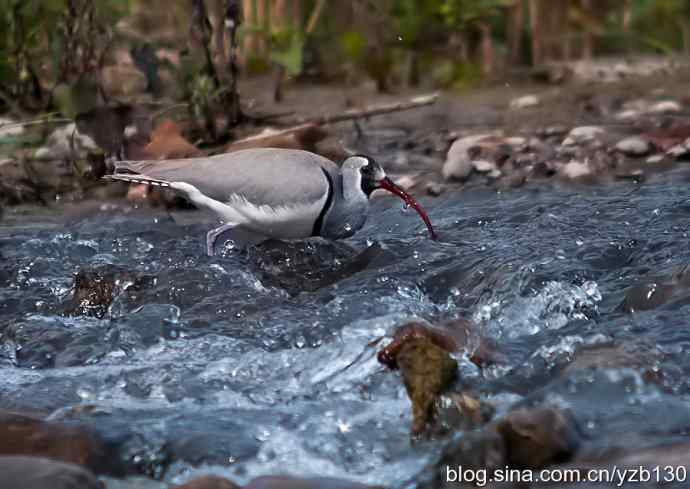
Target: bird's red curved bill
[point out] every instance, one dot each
(387, 184)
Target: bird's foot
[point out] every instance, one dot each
(210, 243)
(213, 235)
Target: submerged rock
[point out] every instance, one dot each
(288, 482)
(95, 289)
(634, 467)
(44, 342)
(538, 437)
(617, 356)
(208, 482)
(23, 435)
(464, 412)
(42, 473)
(525, 439)
(311, 265)
(475, 451)
(656, 292)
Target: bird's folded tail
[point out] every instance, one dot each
(136, 178)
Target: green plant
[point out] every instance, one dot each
(47, 42)
(464, 14)
(663, 25)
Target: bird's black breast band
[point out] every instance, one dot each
(318, 224)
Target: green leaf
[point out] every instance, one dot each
(353, 44)
(291, 56)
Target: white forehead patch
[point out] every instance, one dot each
(361, 161)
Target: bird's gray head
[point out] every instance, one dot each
(371, 176)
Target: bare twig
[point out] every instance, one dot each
(416, 102)
(420, 101)
(315, 15)
(168, 109)
(272, 135)
(36, 122)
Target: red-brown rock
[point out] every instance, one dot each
(23, 435)
(287, 482)
(451, 336)
(209, 482)
(538, 437)
(42, 473)
(167, 142)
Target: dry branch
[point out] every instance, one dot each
(258, 140)
(416, 102)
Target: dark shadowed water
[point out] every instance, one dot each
(264, 361)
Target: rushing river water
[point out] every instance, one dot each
(264, 362)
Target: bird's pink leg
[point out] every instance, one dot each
(213, 234)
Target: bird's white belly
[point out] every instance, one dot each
(283, 222)
(286, 222)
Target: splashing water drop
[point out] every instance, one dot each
(263, 435)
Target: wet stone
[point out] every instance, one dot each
(656, 292)
(23, 435)
(41, 342)
(670, 461)
(478, 450)
(42, 473)
(462, 411)
(634, 146)
(208, 482)
(287, 482)
(538, 437)
(614, 356)
(310, 265)
(95, 289)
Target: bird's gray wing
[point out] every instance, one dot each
(262, 176)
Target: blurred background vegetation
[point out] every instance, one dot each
(70, 55)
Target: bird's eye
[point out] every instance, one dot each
(366, 169)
